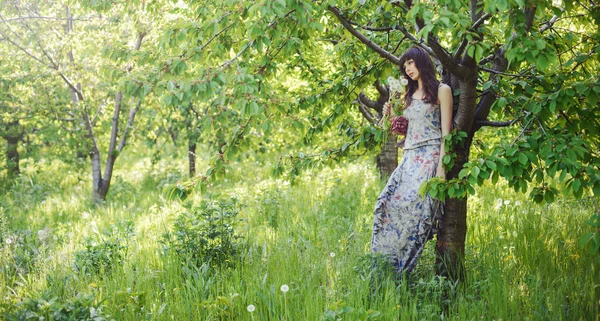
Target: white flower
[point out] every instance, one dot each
(284, 288)
(332, 254)
(251, 308)
(94, 227)
(404, 81)
(498, 204)
(44, 234)
(506, 202)
(9, 240)
(517, 203)
(396, 86)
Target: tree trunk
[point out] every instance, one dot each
(387, 160)
(13, 134)
(98, 189)
(450, 246)
(192, 157)
(12, 157)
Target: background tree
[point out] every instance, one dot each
(44, 33)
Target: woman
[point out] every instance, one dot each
(404, 220)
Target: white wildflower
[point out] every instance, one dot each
(44, 234)
(332, 254)
(404, 81)
(251, 308)
(396, 86)
(498, 204)
(284, 288)
(94, 227)
(9, 241)
(506, 202)
(517, 203)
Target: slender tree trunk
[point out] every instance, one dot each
(13, 135)
(12, 157)
(387, 160)
(192, 157)
(173, 133)
(98, 192)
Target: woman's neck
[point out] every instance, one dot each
(420, 92)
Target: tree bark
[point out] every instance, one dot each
(450, 245)
(387, 160)
(13, 135)
(192, 157)
(97, 183)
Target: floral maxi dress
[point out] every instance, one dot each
(405, 220)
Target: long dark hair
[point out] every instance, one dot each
(427, 73)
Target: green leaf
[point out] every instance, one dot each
(541, 62)
(476, 171)
(576, 185)
(522, 158)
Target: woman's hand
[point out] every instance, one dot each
(387, 109)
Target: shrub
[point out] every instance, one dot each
(81, 308)
(105, 251)
(206, 234)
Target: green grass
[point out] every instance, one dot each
(523, 261)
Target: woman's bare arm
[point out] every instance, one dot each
(445, 98)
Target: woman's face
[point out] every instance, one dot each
(410, 67)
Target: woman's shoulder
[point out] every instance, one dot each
(444, 94)
(444, 89)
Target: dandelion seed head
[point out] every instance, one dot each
(506, 202)
(284, 288)
(332, 254)
(517, 203)
(251, 308)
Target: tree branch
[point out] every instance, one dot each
(496, 72)
(132, 113)
(366, 112)
(481, 123)
(42, 18)
(90, 130)
(365, 100)
(530, 9)
(114, 130)
(463, 44)
(384, 92)
(228, 63)
(407, 34)
(500, 64)
(5, 37)
(547, 25)
(447, 61)
(70, 84)
(475, 10)
(382, 52)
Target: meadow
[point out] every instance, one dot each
(256, 247)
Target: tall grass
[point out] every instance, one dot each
(522, 259)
